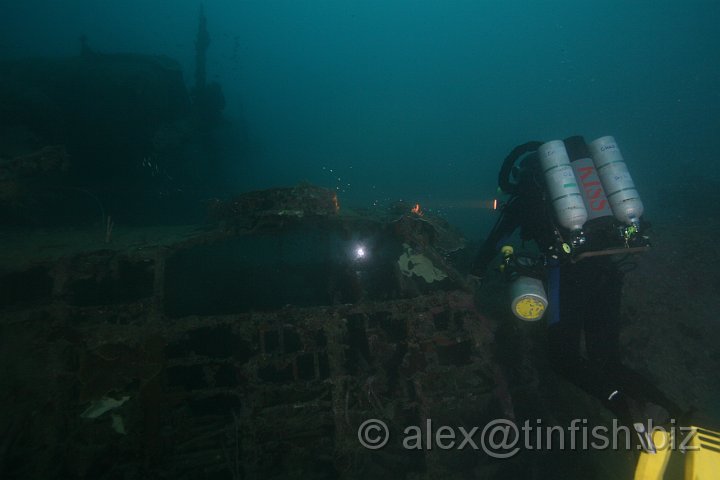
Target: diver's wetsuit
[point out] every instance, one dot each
(590, 301)
(591, 296)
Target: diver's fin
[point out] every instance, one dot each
(653, 461)
(703, 454)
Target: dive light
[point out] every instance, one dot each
(527, 294)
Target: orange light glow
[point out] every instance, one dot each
(416, 210)
(495, 204)
(336, 203)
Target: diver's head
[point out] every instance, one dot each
(527, 175)
(527, 152)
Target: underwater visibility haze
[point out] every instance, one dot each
(235, 232)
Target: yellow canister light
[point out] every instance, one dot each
(529, 301)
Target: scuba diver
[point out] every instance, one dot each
(579, 206)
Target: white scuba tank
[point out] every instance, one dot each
(616, 180)
(562, 186)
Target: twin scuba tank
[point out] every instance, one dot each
(584, 182)
(588, 182)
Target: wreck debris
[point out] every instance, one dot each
(90, 105)
(118, 425)
(301, 201)
(208, 99)
(257, 389)
(109, 224)
(19, 174)
(412, 263)
(50, 159)
(24, 176)
(103, 405)
(229, 392)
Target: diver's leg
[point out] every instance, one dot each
(564, 336)
(579, 302)
(602, 340)
(602, 315)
